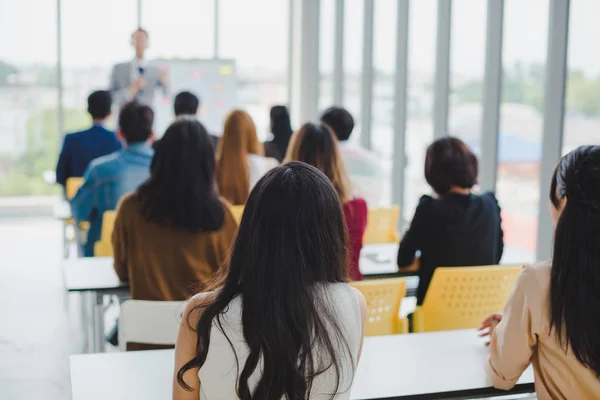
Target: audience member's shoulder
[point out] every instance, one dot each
(490, 198)
(426, 201)
(128, 201)
(537, 275)
(100, 163)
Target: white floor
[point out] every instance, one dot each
(35, 335)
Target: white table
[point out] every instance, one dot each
(95, 277)
(417, 366)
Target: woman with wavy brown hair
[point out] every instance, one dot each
(317, 145)
(240, 158)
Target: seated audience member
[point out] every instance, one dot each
(457, 227)
(108, 178)
(80, 148)
(186, 105)
(240, 160)
(173, 233)
(551, 319)
(281, 321)
(281, 128)
(315, 144)
(363, 165)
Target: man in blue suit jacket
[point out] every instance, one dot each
(80, 148)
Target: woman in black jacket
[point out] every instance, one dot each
(456, 227)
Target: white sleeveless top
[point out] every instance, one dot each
(219, 375)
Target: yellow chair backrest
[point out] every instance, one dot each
(383, 302)
(103, 249)
(108, 224)
(461, 297)
(381, 226)
(72, 186)
(237, 212)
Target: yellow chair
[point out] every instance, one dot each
(237, 212)
(103, 247)
(381, 226)
(461, 297)
(72, 186)
(383, 302)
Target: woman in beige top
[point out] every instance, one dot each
(552, 318)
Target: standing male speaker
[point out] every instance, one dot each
(137, 79)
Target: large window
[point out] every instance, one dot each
(353, 45)
(419, 127)
(582, 110)
(89, 51)
(384, 65)
(467, 67)
(255, 34)
(520, 141)
(29, 136)
(326, 52)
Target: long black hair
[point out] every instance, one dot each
(281, 128)
(292, 237)
(575, 281)
(181, 192)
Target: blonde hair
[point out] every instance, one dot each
(316, 144)
(232, 172)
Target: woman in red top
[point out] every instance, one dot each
(315, 144)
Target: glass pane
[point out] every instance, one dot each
(85, 67)
(520, 142)
(255, 34)
(384, 65)
(353, 44)
(29, 136)
(467, 67)
(326, 53)
(177, 34)
(582, 111)
(421, 78)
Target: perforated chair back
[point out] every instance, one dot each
(383, 301)
(237, 212)
(381, 226)
(149, 322)
(461, 297)
(72, 186)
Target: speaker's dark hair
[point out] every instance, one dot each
(575, 276)
(291, 240)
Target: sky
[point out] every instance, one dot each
(96, 32)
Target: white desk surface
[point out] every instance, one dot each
(62, 210)
(428, 365)
(97, 273)
(91, 274)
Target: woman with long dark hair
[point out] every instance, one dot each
(552, 318)
(174, 232)
(281, 128)
(281, 322)
(316, 144)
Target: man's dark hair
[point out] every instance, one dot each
(340, 121)
(140, 29)
(99, 103)
(449, 162)
(135, 122)
(186, 103)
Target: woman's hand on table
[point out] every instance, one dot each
(489, 324)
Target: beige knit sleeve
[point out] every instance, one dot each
(515, 337)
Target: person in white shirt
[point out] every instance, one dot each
(137, 79)
(240, 158)
(364, 166)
